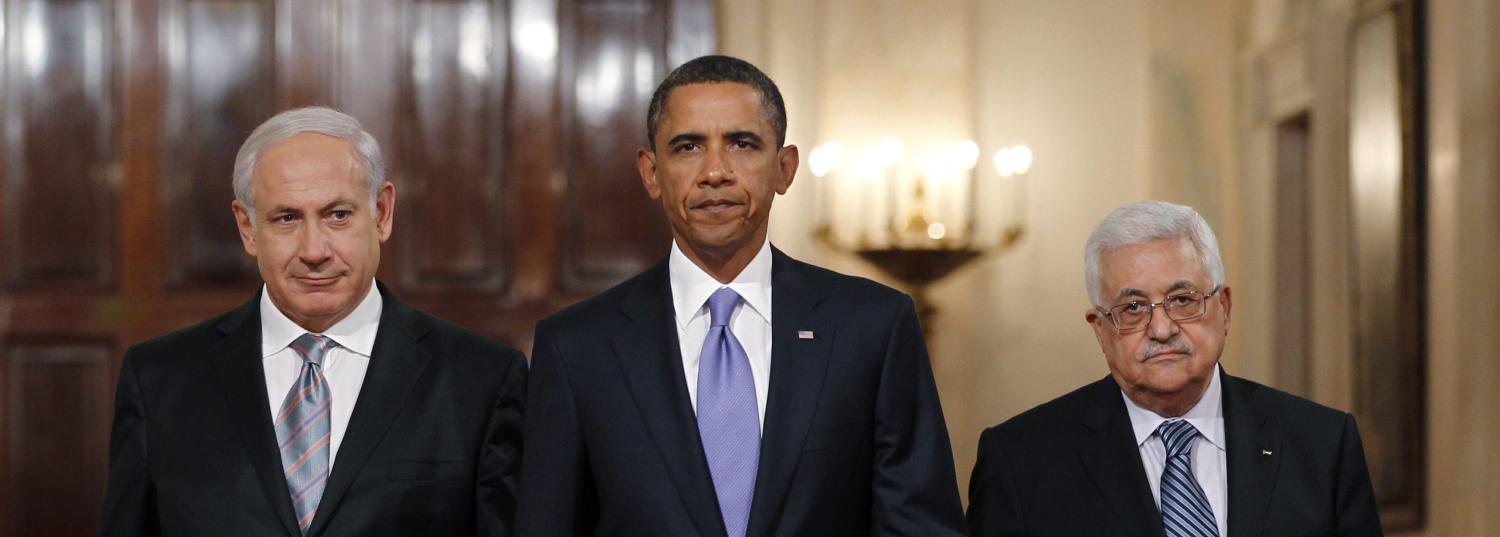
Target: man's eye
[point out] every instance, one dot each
(283, 218)
(1134, 306)
(685, 147)
(743, 144)
(341, 215)
(1181, 300)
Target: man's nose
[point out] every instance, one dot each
(314, 248)
(716, 170)
(1161, 327)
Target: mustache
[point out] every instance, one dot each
(1153, 347)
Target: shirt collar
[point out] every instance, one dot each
(1207, 416)
(691, 285)
(355, 332)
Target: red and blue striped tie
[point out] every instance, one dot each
(303, 429)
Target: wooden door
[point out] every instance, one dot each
(509, 128)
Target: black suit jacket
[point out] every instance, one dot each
(431, 449)
(1071, 467)
(853, 441)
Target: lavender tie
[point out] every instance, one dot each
(728, 420)
(302, 429)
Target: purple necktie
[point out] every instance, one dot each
(728, 420)
(303, 427)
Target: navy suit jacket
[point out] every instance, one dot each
(431, 449)
(1072, 467)
(853, 441)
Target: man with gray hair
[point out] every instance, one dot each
(323, 406)
(1168, 443)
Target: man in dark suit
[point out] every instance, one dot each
(323, 406)
(731, 390)
(1168, 443)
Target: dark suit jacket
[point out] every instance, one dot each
(853, 442)
(431, 449)
(1071, 467)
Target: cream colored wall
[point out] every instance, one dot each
(1464, 298)
(1174, 99)
(1118, 101)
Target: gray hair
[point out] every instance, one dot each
(1146, 221)
(315, 119)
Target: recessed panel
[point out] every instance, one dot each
(611, 229)
(221, 86)
(57, 411)
(58, 157)
(451, 179)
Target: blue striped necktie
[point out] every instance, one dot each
(303, 429)
(728, 417)
(1185, 511)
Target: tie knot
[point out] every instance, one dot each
(1178, 435)
(311, 347)
(721, 305)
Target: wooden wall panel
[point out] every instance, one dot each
(613, 56)
(57, 92)
(58, 406)
(116, 156)
(451, 146)
(221, 85)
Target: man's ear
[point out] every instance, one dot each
(244, 220)
(385, 210)
(787, 159)
(1225, 301)
(645, 163)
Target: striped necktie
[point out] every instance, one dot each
(728, 420)
(303, 429)
(1185, 511)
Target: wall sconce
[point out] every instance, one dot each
(916, 215)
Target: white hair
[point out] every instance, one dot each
(315, 119)
(1147, 221)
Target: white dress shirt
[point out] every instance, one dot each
(750, 322)
(1208, 459)
(343, 366)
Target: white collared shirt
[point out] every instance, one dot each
(750, 322)
(1209, 459)
(343, 366)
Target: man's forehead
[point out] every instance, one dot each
(717, 105)
(1157, 267)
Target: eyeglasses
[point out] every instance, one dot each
(1136, 314)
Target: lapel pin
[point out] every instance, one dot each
(1265, 452)
(804, 334)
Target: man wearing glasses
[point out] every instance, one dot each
(1168, 443)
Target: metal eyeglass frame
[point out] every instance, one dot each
(1151, 307)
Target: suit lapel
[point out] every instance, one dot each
(1254, 456)
(396, 363)
(650, 360)
(242, 379)
(798, 369)
(1113, 461)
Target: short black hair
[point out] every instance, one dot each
(716, 69)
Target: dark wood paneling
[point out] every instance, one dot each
(221, 85)
(58, 92)
(613, 58)
(57, 403)
(451, 143)
(116, 163)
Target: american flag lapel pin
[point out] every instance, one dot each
(804, 334)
